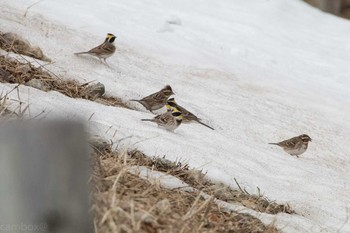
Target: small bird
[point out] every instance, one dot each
(104, 50)
(188, 117)
(156, 100)
(170, 120)
(295, 146)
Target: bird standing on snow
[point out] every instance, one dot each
(295, 146)
(104, 50)
(187, 115)
(156, 100)
(170, 120)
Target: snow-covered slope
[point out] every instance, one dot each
(257, 71)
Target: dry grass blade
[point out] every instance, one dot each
(16, 112)
(25, 13)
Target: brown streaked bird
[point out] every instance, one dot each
(170, 120)
(295, 146)
(104, 50)
(156, 100)
(188, 117)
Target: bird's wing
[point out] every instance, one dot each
(290, 143)
(103, 48)
(165, 117)
(187, 114)
(159, 96)
(154, 98)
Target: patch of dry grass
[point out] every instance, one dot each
(124, 202)
(13, 110)
(12, 42)
(252, 201)
(13, 71)
(196, 179)
(5, 113)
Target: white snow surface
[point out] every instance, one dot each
(257, 71)
(164, 180)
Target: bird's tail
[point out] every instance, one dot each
(205, 125)
(135, 100)
(81, 53)
(146, 119)
(273, 143)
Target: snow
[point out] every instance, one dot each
(164, 180)
(257, 71)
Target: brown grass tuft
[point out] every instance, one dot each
(12, 42)
(252, 201)
(16, 111)
(5, 113)
(13, 71)
(196, 179)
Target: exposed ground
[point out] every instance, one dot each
(125, 202)
(14, 71)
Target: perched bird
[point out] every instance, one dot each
(169, 120)
(188, 117)
(156, 100)
(104, 50)
(295, 146)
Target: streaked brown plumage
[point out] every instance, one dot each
(104, 50)
(170, 120)
(296, 145)
(188, 117)
(156, 100)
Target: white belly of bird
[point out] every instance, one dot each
(297, 151)
(171, 125)
(104, 55)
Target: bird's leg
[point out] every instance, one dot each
(106, 62)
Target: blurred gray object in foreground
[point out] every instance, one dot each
(44, 174)
(331, 6)
(337, 7)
